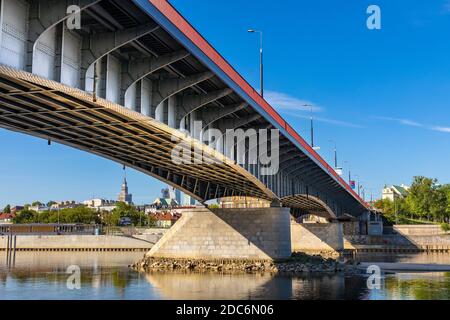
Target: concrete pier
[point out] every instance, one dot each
(315, 237)
(253, 234)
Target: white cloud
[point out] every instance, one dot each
(412, 123)
(441, 129)
(283, 101)
(326, 120)
(405, 122)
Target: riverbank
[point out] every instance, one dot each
(298, 263)
(72, 243)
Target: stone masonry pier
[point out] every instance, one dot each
(237, 234)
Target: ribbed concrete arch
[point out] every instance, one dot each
(46, 15)
(309, 204)
(216, 115)
(99, 45)
(192, 103)
(164, 89)
(139, 69)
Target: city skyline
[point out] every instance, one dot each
(381, 95)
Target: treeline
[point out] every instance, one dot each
(73, 215)
(86, 215)
(426, 200)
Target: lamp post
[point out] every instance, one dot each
(306, 105)
(335, 154)
(261, 61)
(357, 181)
(349, 171)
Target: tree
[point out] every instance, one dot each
(427, 199)
(76, 215)
(124, 210)
(25, 216)
(446, 190)
(50, 203)
(7, 209)
(36, 204)
(421, 195)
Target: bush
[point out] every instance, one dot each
(445, 227)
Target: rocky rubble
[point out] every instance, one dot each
(298, 263)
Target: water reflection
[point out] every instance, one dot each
(106, 276)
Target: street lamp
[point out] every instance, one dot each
(335, 153)
(357, 181)
(261, 61)
(312, 126)
(349, 171)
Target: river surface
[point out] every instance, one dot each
(43, 275)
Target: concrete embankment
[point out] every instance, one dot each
(413, 267)
(404, 238)
(73, 243)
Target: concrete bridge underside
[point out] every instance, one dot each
(131, 80)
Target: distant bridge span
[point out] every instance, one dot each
(124, 85)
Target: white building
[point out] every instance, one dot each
(393, 193)
(69, 204)
(100, 204)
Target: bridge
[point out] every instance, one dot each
(132, 81)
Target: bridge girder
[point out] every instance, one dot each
(192, 103)
(98, 45)
(44, 15)
(164, 89)
(138, 69)
(212, 116)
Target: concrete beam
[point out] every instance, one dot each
(212, 116)
(139, 69)
(163, 89)
(98, 45)
(223, 125)
(46, 14)
(292, 160)
(194, 102)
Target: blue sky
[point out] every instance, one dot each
(382, 95)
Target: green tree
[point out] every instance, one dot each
(427, 199)
(7, 209)
(421, 195)
(25, 216)
(124, 210)
(36, 203)
(50, 203)
(76, 215)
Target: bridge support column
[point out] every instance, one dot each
(317, 237)
(253, 234)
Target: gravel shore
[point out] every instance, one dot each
(298, 263)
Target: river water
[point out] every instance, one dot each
(43, 275)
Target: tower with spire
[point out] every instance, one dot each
(124, 196)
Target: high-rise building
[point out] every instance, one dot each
(184, 199)
(124, 196)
